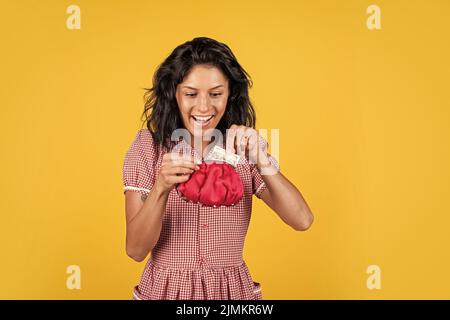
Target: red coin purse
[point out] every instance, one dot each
(214, 184)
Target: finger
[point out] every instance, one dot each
(240, 142)
(179, 171)
(178, 179)
(230, 142)
(243, 145)
(252, 148)
(189, 165)
(246, 140)
(183, 163)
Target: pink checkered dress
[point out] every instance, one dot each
(199, 252)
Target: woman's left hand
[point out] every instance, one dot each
(245, 142)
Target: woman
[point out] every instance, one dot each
(197, 250)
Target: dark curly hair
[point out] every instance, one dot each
(161, 112)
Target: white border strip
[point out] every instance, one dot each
(135, 295)
(135, 189)
(262, 185)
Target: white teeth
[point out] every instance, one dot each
(202, 119)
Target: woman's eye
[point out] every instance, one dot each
(214, 94)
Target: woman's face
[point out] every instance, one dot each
(202, 98)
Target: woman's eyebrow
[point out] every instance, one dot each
(189, 87)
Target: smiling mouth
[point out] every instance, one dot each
(202, 121)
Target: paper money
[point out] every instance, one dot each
(219, 154)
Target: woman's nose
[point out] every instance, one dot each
(203, 104)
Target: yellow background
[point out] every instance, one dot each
(364, 127)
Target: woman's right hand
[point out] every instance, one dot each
(174, 169)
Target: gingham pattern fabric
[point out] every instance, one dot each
(199, 251)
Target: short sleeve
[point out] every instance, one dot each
(138, 165)
(258, 183)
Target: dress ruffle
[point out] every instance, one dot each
(222, 283)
